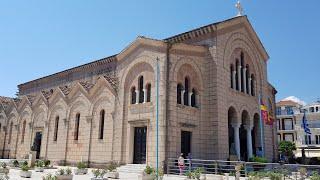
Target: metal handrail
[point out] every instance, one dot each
(220, 166)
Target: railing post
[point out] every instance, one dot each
(245, 169)
(168, 170)
(216, 168)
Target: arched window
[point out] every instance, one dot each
(186, 91)
(193, 98)
(10, 133)
(23, 131)
(247, 78)
(101, 124)
(237, 74)
(56, 126)
(241, 71)
(77, 124)
(252, 85)
(179, 93)
(149, 92)
(141, 93)
(133, 95)
(0, 127)
(231, 76)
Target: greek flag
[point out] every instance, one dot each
(305, 124)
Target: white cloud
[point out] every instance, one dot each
(295, 99)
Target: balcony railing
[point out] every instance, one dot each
(311, 143)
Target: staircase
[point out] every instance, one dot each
(131, 171)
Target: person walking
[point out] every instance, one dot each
(190, 161)
(181, 164)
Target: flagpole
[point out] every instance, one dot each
(261, 128)
(157, 119)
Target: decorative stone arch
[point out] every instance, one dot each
(240, 41)
(99, 103)
(139, 69)
(76, 104)
(40, 118)
(139, 64)
(196, 70)
(245, 118)
(233, 115)
(56, 96)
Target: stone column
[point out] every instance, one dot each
(249, 86)
(182, 97)
(244, 80)
(144, 95)
(239, 77)
(249, 140)
(236, 127)
(189, 98)
(137, 96)
(234, 79)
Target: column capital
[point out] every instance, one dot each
(236, 125)
(248, 127)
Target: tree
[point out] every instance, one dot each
(286, 148)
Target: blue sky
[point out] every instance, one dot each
(38, 38)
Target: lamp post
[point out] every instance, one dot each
(157, 119)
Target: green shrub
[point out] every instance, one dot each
(3, 165)
(99, 173)
(68, 171)
(258, 159)
(25, 167)
(112, 166)
(49, 177)
(47, 163)
(149, 170)
(315, 176)
(24, 163)
(39, 163)
(60, 172)
(81, 165)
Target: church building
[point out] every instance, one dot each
(212, 81)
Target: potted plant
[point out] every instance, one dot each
(81, 169)
(112, 170)
(258, 163)
(98, 174)
(287, 148)
(4, 169)
(25, 173)
(49, 177)
(64, 174)
(47, 163)
(39, 164)
(15, 163)
(148, 173)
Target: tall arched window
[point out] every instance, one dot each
(252, 85)
(237, 74)
(186, 91)
(179, 93)
(133, 95)
(193, 98)
(23, 131)
(141, 93)
(10, 132)
(241, 71)
(101, 124)
(56, 126)
(77, 124)
(247, 78)
(231, 76)
(149, 92)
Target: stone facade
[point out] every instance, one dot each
(210, 104)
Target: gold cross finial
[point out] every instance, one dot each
(240, 9)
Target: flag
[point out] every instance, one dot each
(305, 124)
(265, 115)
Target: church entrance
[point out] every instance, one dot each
(186, 143)
(37, 143)
(140, 145)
